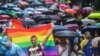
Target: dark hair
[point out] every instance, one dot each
(80, 38)
(33, 36)
(86, 32)
(79, 47)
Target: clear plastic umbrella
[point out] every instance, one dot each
(87, 21)
(65, 33)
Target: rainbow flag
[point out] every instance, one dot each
(17, 24)
(22, 36)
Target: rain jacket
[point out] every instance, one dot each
(14, 50)
(86, 47)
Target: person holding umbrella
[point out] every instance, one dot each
(63, 47)
(86, 44)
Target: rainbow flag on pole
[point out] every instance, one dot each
(21, 37)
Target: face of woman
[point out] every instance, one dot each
(76, 47)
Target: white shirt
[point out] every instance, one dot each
(60, 48)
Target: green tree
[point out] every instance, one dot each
(97, 5)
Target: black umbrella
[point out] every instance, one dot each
(74, 21)
(66, 33)
(42, 19)
(27, 24)
(91, 29)
(49, 13)
(3, 8)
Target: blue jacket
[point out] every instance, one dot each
(14, 50)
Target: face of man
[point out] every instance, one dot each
(88, 35)
(34, 40)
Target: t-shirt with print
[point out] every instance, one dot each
(36, 51)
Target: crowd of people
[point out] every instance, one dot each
(85, 43)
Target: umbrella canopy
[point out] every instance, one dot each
(17, 8)
(11, 12)
(87, 21)
(88, 9)
(95, 41)
(28, 23)
(65, 33)
(91, 29)
(74, 21)
(41, 8)
(54, 6)
(43, 17)
(2, 12)
(36, 3)
(48, 1)
(98, 25)
(30, 9)
(37, 13)
(72, 27)
(63, 6)
(23, 3)
(48, 13)
(60, 28)
(10, 5)
(94, 16)
(4, 17)
(55, 17)
(38, 25)
(70, 11)
(76, 7)
(3, 8)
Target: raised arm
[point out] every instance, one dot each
(47, 36)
